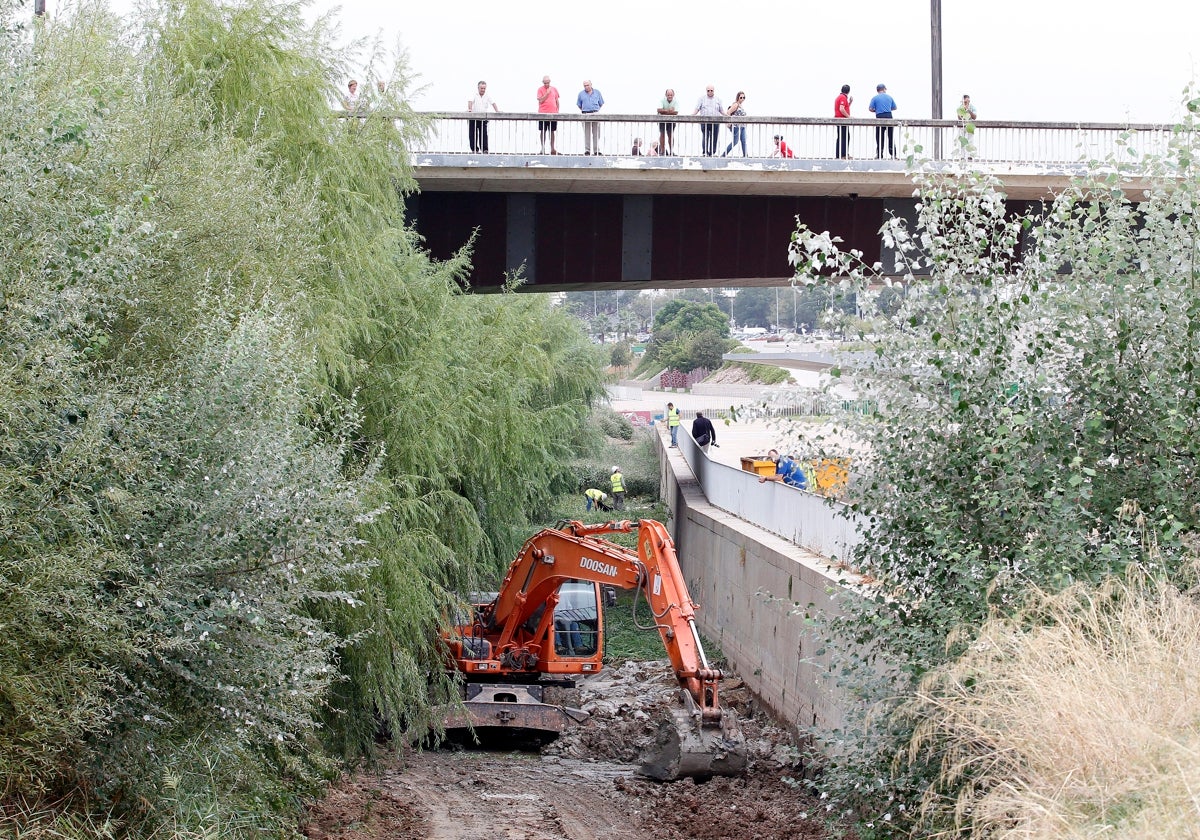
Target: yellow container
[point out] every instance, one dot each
(832, 475)
(758, 466)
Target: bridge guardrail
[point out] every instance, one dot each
(809, 139)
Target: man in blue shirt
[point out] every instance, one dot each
(788, 470)
(590, 101)
(882, 106)
(792, 472)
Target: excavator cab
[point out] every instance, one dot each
(578, 629)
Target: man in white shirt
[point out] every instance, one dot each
(709, 106)
(478, 128)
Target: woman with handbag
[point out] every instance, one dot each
(739, 131)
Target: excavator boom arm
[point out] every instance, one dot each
(578, 552)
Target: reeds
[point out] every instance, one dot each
(1077, 719)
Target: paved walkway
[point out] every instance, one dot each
(746, 437)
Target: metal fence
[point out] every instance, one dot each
(808, 139)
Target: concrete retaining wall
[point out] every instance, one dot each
(753, 588)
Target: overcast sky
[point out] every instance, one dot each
(1065, 60)
(1019, 59)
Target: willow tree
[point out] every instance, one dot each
(1037, 408)
(252, 435)
(474, 401)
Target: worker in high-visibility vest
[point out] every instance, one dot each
(673, 423)
(596, 497)
(618, 488)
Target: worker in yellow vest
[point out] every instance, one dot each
(618, 488)
(596, 497)
(673, 424)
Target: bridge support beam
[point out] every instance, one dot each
(565, 242)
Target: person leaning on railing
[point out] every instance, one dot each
(666, 131)
(737, 109)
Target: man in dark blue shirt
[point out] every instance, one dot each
(703, 432)
(882, 106)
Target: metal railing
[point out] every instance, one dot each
(808, 139)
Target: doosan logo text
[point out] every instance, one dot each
(596, 566)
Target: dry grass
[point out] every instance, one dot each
(1085, 726)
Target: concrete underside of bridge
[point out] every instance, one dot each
(600, 227)
(606, 241)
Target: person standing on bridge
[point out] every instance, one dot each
(350, 100)
(966, 126)
(882, 106)
(590, 101)
(703, 432)
(737, 109)
(478, 128)
(547, 98)
(618, 488)
(709, 106)
(666, 130)
(841, 111)
(673, 424)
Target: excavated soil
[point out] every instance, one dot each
(584, 786)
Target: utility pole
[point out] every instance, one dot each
(39, 7)
(935, 42)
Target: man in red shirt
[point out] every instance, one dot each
(781, 148)
(547, 97)
(841, 111)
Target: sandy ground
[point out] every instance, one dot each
(584, 786)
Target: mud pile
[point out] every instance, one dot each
(627, 703)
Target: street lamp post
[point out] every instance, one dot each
(935, 43)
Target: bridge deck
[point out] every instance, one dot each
(514, 173)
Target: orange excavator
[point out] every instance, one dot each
(545, 627)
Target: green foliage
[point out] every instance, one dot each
(621, 355)
(682, 316)
(630, 632)
(250, 435)
(612, 424)
(766, 374)
(1021, 411)
(755, 307)
(475, 419)
(687, 335)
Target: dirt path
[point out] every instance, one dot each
(582, 787)
(444, 795)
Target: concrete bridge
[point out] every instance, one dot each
(620, 221)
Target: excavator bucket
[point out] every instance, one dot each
(684, 748)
